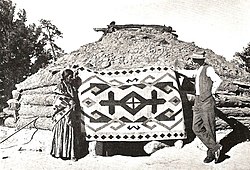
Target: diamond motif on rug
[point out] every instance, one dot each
(141, 104)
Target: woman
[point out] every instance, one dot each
(67, 137)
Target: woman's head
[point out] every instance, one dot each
(67, 75)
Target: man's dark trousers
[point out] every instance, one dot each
(204, 123)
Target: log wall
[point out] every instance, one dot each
(38, 102)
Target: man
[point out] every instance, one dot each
(206, 84)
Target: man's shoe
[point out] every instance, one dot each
(217, 155)
(74, 159)
(208, 159)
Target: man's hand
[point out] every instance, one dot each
(216, 98)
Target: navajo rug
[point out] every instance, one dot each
(141, 104)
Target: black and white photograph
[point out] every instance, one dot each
(124, 85)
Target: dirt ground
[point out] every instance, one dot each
(29, 149)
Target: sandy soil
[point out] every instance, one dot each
(29, 149)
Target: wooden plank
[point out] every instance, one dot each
(242, 84)
(235, 111)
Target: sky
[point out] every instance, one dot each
(220, 25)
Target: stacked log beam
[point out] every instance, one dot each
(35, 102)
(234, 106)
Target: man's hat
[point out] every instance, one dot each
(199, 55)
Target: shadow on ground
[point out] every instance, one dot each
(239, 134)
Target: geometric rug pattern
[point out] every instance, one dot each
(141, 104)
